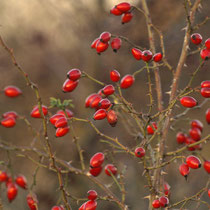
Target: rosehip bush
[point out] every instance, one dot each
(132, 133)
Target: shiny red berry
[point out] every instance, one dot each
(209, 193)
(94, 102)
(12, 91)
(146, 55)
(11, 192)
(126, 17)
(95, 171)
(112, 118)
(196, 38)
(55, 117)
(193, 162)
(104, 103)
(61, 131)
(188, 101)
(114, 75)
(184, 170)
(90, 205)
(93, 44)
(69, 85)
(10, 114)
(100, 114)
(101, 46)
(208, 115)
(197, 124)
(8, 122)
(156, 204)
(123, 7)
(110, 168)
(116, 44)
(190, 141)
(21, 181)
(57, 208)
(205, 92)
(157, 57)
(35, 112)
(61, 122)
(127, 81)
(116, 11)
(140, 152)
(32, 202)
(163, 201)
(74, 74)
(97, 160)
(151, 128)
(205, 54)
(180, 138)
(67, 111)
(92, 195)
(206, 166)
(89, 99)
(205, 84)
(3, 176)
(105, 37)
(195, 134)
(108, 90)
(207, 43)
(137, 54)
(82, 207)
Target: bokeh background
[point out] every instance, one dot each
(49, 38)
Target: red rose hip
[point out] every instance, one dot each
(193, 162)
(123, 7)
(208, 115)
(21, 181)
(100, 114)
(116, 44)
(12, 91)
(126, 17)
(196, 38)
(184, 170)
(139, 152)
(127, 81)
(97, 160)
(74, 74)
(69, 85)
(92, 195)
(112, 118)
(137, 54)
(188, 101)
(114, 75)
(206, 166)
(110, 168)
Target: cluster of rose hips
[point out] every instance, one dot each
(146, 55)
(11, 185)
(73, 79)
(91, 204)
(96, 162)
(194, 163)
(189, 102)
(194, 135)
(123, 9)
(102, 43)
(9, 118)
(196, 39)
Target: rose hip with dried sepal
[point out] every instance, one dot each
(92, 195)
(127, 81)
(3, 176)
(205, 53)
(97, 160)
(110, 168)
(100, 114)
(74, 74)
(104, 103)
(94, 102)
(184, 170)
(12, 91)
(140, 152)
(116, 44)
(188, 101)
(95, 171)
(112, 118)
(35, 111)
(166, 188)
(163, 201)
(126, 17)
(62, 131)
(180, 138)
(12, 192)
(108, 90)
(146, 55)
(8, 122)
(101, 47)
(137, 54)
(10, 114)
(32, 201)
(193, 162)
(197, 124)
(105, 37)
(69, 85)
(196, 38)
(114, 75)
(21, 181)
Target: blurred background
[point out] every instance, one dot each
(51, 37)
